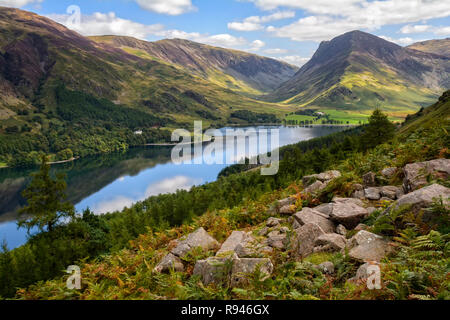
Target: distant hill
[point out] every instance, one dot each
(440, 47)
(358, 71)
(236, 70)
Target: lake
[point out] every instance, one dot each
(111, 182)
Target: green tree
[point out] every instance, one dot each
(46, 200)
(379, 130)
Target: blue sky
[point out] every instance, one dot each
(289, 30)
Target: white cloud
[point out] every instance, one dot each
(164, 186)
(331, 18)
(275, 51)
(170, 7)
(441, 31)
(402, 41)
(408, 29)
(254, 23)
(110, 24)
(295, 60)
(17, 3)
(257, 45)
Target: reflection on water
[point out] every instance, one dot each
(111, 182)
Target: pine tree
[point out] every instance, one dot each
(379, 130)
(46, 200)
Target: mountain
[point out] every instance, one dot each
(236, 70)
(61, 90)
(358, 71)
(440, 47)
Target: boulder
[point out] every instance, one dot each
(361, 226)
(214, 269)
(329, 175)
(251, 248)
(325, 208)
(232, 241)
(277, 239)
(308, 180)
(331, 242)
(348, 214)
(306, 236)
(390, 192)
(315, 187)
(423, 198)
(242, 268)
(357, 202)
(273, 222)
(388, 173)
(340, 229)
(372, 193)
(170, 262)
(369, 179)
(366, 246)
(199, 238)
(416, 174)
(308, 215)
(286, 202)
(326, 267)
(287, 210)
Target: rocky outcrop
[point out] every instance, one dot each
(198, 239)
(423, 198)
(214, 270)
(388, 173)
(242, 268)
(308, 215)
(236, 238)
(326, 267)
(372, 193)
(366, 246)
(306, 237)
(369, 179)
(416, 174)
(322, 177)
(330, 242)
(348, 212)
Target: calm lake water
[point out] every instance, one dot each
(114, 181)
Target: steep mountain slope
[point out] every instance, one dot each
(440, 47)
(358, 71)
(236, 70)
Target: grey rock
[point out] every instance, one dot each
(273, 222)
(214, 269)
(199, 238)
(390, 192)
(264, 231)
(372, 193)
(277, 239)
(332, 241)
(361, 226)
(359, 194)
(340, 229)
(287, 210)
(286, 202)
(325, 208)
(326, 267)
(423, 198)
(357, 202)
(349, 214)
(315, 187)
(242, 268)
(329, 175)
(369, 179)
(416, 173)
(306, 236)
(388, 173)
(232, 241)
(308, 215)
(170, 262)
(366, 246)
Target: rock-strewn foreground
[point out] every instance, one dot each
(334, 226)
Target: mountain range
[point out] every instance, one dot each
(55, 82)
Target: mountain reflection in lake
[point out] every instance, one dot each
(111, 182)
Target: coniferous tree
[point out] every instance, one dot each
(46, 200)
(379, 130)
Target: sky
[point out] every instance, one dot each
(288, 30)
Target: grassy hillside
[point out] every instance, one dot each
(244, 201)
(440, 47)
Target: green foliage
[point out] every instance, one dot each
(379, 130)
(253, 117)
(46, 200)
